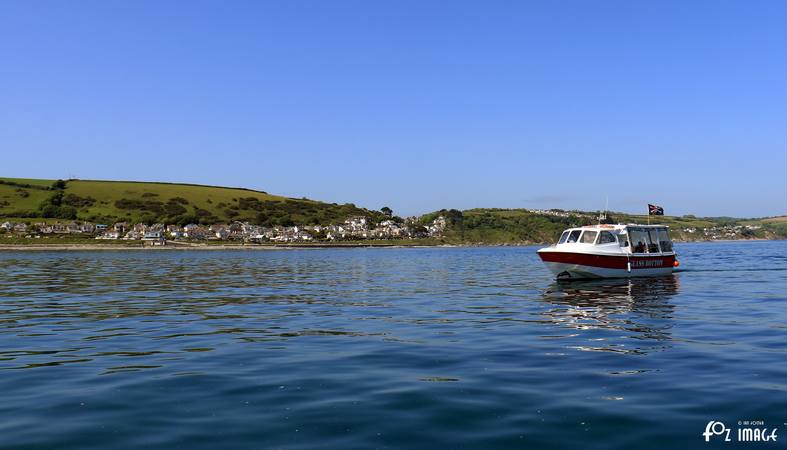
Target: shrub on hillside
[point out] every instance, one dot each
(59, 212)
(77, 201)
(174, 209)
(150, 206)
(180, 200)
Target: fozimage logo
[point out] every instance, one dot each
(747, 431)
(714, 428)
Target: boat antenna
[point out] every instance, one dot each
(603, 216)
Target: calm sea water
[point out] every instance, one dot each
(360, 348)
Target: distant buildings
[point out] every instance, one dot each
(353, 228)
(154, 238)
(723, 232)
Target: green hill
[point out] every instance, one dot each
(515, 226)
(116, 201)
(112, 201)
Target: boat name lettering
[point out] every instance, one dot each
(641, 263)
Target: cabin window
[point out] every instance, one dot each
(606, 238)
(653, 246)
(563, 238)
(574, 236)
(664, 240)
(640, 240)
(623, 240)
(589, 237)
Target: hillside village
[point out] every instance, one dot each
(352, 229)
(722, 232)
(166, 213)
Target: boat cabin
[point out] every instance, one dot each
(635, 239)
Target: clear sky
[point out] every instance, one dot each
(416, 105)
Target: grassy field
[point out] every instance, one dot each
(214, 200)
(506, 226)
(112, 201)
(15, 198)
(31, 181)
(777, 224)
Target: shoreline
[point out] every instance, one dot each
(120, 247)
(262, 247)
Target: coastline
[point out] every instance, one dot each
(263, 247)
(121, 247)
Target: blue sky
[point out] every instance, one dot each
(416, 105)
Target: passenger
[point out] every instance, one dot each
(640, 247)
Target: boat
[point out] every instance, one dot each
(611, 251)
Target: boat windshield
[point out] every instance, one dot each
(664, 240)
(640, 240)
(574, 236)
(563, 238)
(653, 246)
(649, 240)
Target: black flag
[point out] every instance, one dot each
(654, 210)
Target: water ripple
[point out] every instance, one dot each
(383, 348)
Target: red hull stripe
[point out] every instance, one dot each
(609, 261)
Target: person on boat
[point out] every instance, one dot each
(640, 247)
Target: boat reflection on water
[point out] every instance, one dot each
(638, 307)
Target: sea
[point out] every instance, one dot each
(389, 348)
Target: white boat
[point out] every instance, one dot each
(611, 251)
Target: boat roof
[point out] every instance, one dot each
(617, 227)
